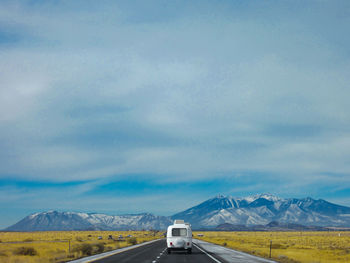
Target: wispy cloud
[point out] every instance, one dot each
(176, 92)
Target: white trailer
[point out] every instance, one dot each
(179, 237)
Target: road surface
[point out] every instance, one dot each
(155, 252)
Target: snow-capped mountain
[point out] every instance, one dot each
(245, 211)
(54, 220)
(264, 208)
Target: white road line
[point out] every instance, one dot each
(217, 261)
(160, 254)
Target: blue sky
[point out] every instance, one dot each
(155, 106)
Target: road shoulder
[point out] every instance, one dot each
(227, 254)
(110, 253)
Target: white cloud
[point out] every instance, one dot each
(197, 96)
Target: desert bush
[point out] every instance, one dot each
(109, 248)
(25, 251)
(60, 258)
(132, 241)
(278, 246)
(86, 249)
(100, 247)
(80, 239)
(28, 240)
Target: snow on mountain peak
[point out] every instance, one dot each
(266, 196)
(33, 215)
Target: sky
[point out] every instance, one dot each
(155, 106)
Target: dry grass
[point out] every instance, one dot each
(53, 246)
(308, 247)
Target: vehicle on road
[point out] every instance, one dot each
(179, 237)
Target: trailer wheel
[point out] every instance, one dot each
(169, 251)
(189, 251)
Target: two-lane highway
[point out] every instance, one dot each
(156, 253)
(202, 252)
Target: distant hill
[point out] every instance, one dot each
(263, 211)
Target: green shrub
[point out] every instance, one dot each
(25, 251)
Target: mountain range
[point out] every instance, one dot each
(61, 221)
(220, 212)
(263, 209)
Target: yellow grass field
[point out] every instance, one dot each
(308, 247)
(54, 246)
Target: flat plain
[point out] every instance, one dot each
(61, 246)
(308, 247)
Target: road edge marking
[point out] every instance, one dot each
(242, 253)
(216, 260)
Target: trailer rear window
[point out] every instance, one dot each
(177, 232)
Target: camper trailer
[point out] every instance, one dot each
(179, 237)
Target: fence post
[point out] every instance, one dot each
(270, 247)
(69, 246)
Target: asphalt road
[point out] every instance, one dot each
(156, 253)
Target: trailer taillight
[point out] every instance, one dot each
(188, 243)
(171, 243)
